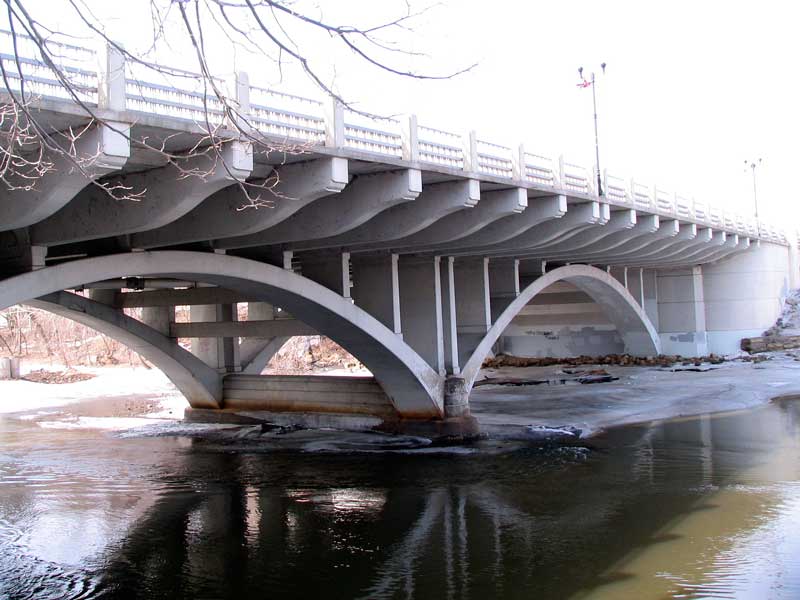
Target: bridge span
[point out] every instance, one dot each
(419, 251)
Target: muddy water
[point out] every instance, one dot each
(706, 507)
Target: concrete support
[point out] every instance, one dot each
(682, 312)
(221, 353)
(421, 308)
(449, 318)
(376, 288)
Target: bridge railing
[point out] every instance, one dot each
(684, 207)
(175, 93)
(494, 159)
(615, 189)
(439, 147)
(641, 195)
(25, 64)
(372, 134)
(573, 177)
(287, 116)
(539, 170)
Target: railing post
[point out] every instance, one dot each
(334, 123)
(409, 138)
(239, 100)
(561, 172)
(470, 151)
(110, 78)
(518, 164)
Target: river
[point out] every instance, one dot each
(705, 507)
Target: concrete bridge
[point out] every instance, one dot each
(418, 250)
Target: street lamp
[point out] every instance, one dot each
(591, 83)
(753, 164)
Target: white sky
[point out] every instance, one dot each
(691, 90)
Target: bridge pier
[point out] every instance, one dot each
(682, 312)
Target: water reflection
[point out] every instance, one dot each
(696, 508)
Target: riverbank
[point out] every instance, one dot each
(517, 402)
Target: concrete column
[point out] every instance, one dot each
(503, 284)
(473, 313)
(449, 319)
(219, 353)
(330, 269)
(159, 318)
(376, 288)
(682, 312)
(421, 307)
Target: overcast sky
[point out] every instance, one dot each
(691, 90)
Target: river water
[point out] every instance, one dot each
(705, 507)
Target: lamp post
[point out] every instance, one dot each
(591, 83)
(752, 164)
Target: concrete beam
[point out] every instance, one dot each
(664, 242)
(168, 194)
(493, 206)
(246, 329)
(187, 297)
(290, 188)
(644, 226)
(436, 201)
(365, 197)
(539, 210)
(622, 222)
(678, 248)
(100, 150)
(578, 219)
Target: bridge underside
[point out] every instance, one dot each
(419, 270)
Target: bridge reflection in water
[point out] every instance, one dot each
(690, 507)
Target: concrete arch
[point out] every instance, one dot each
(415, 389)
(199, 383)
(638, 333)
